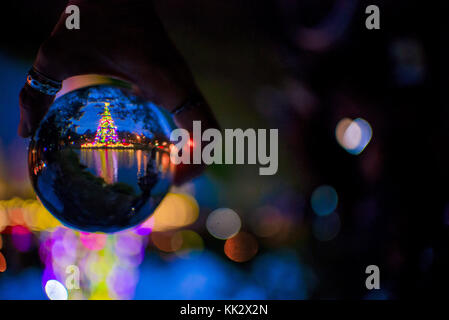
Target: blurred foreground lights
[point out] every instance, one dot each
(268, 222)
(353, 135)
(2, 263)
(21, 238)
(223, 223)
(93, 241)
(97, 266)
(241, 247)
(128, 244)
(324, 200)
(122, 283)
(144, 228)
(61, 256)
(3, 218)
(191, 243)
(55, 290)
(327, 227)
(29, 213)
(184, 243)
(175, 211)
(166, 241)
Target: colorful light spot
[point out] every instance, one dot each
(353, 135)
(2, 263)
(241, 247)
(175, 211)
(223, 223)
(191, 243)
(324, 200)
(93, 241)
(326, 228)
(55, 290)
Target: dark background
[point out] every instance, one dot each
(258, 69)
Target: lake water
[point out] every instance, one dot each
(125, 165)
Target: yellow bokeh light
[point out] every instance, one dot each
(4, 220)
(100, 292)
(29, 213)
(191, 242)
(175, 211)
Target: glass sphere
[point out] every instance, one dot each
(100, 159)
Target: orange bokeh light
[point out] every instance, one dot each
(2, 263)
(242, 247)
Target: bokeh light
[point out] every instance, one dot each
(326, 228)
(21, 238)
(28, 213)
(175, 211)
(144, 228)
(3, 218)
(167, 241)
(339, 125)
(223, 223)
(282, 274)
(63, 250)
(100, 292)
(55, 290)
(353, 135)
(128, 244)
(93, 241)
(324, 200)
(2, 263)
(122, 282)
(242, 247)
(267, 222)
(191, 243)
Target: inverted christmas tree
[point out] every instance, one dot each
(106, 135)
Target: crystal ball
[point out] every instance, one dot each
(100, 159)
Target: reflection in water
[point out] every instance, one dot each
(101, 189)
(107, 163)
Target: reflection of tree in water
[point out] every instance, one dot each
(90, 201)
(147, 181)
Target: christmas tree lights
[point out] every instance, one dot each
(106, 135)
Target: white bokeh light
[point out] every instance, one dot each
(55, 290)
(353, 135)
(223, 223)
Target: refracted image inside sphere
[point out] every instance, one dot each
(100, 159)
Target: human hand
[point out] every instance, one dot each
(123, 39)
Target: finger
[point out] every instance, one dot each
(33, 107)
(200, 111)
